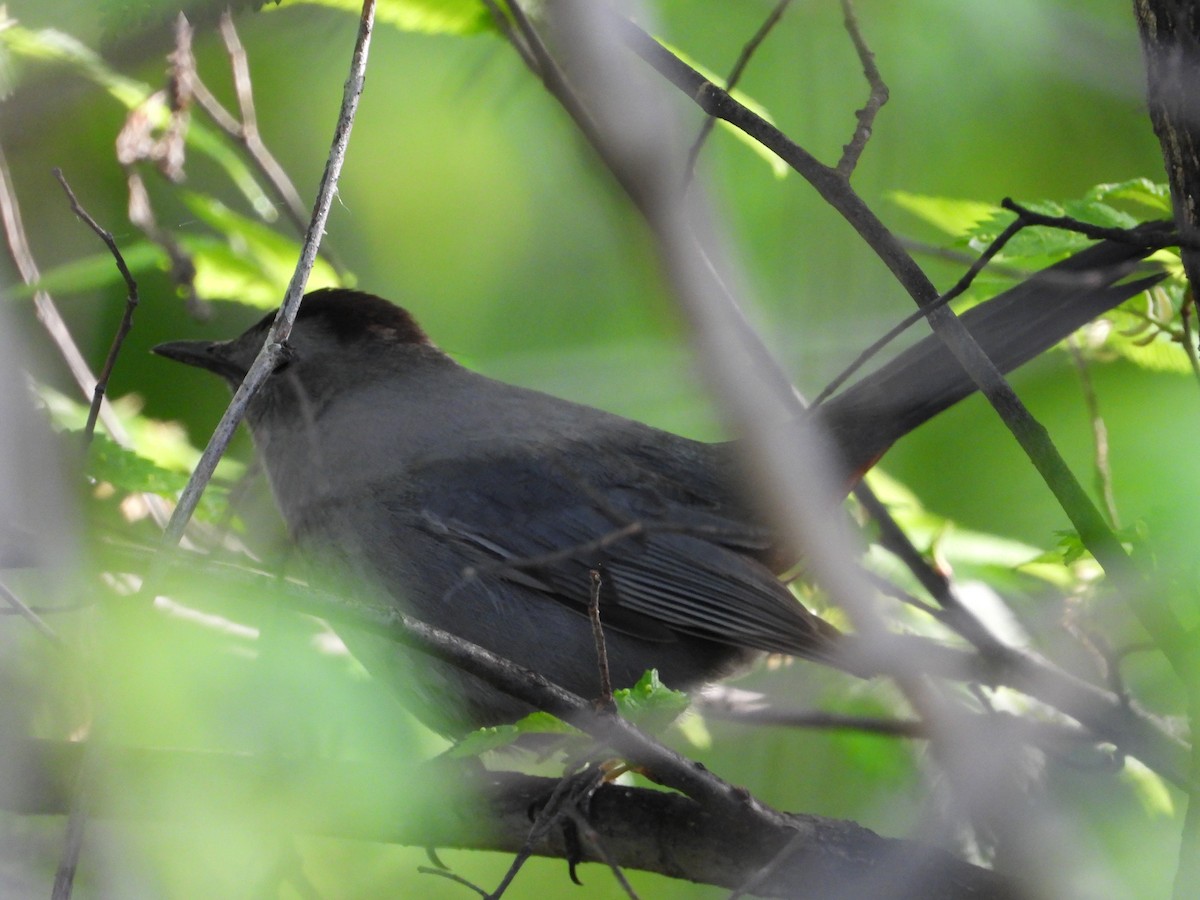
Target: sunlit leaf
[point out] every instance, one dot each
(424, 16)
(1142, 191)
(952, 215)
(483, 740)
(778, 166)
(650, 704)
(252, 264)
(127, 471)
(51, 45)
(1151, 790)
(93, 272)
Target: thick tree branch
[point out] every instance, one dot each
(475, 809)
(1170, 34)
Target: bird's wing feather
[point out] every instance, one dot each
(669, 561)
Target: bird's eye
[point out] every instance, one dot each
(286, 356)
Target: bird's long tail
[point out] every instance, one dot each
(1012, 328)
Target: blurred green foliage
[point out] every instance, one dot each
(468, 198)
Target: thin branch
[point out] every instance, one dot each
(1112, 718)
(594, 838)
(138, 143)
(131, 304)
(735, 75)
(1104, 480)
(141, 214)
(955, 614)
(911, 319)
(451, 876)
(52, 321)
(23, 609)
(1189, 336)
(246, 132)
(1160, 240)
(546, 68)
(786, 852)
(268, 357)
(812, 720)
(875, 100)
(505, 26)
(606, 688)
(570, 790)
(1128, 581)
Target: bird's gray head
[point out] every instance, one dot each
(340, 338)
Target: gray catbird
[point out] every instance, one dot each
(485, 509)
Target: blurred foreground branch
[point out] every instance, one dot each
(476, 809)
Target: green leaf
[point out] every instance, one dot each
(954, 216)
(778, 167)
(423, 16)
(483, 740)
(120, 17)
(51, 45)
(650, 704)
(163, 443)
(1071, 547)
(1141, 191)
(93, 272)
(1151, 790)
(252, 264)
(127, 471)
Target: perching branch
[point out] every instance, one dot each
(474, 809)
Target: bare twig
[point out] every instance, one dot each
(141, 214)
(131, 304)
(23, 609)
(52, 321)
(505, 26)
(1189, 335)
(571, 790)
(1104, 482)
(451, 876)
(912, 318)
(597, 585)
(875, 100)
(246, 132)
(770, 868)
(735, 75)
(813, 720)
(594, 839)
(82, 795)
(1095, 232)
(268, 357)
(1127, 579)
(138, 143)
(547, 68)
(955, 615)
